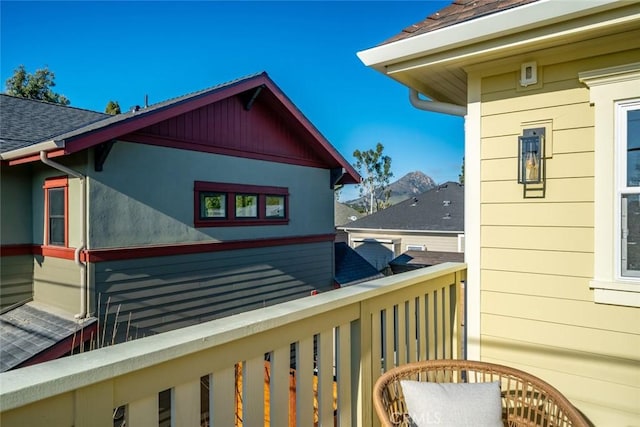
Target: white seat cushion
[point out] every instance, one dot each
(453, 404)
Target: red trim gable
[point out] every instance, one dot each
(319, 152)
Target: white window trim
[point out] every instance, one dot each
(608, 88)
(621, 109)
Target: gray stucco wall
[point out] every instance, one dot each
(169, 292)
(144, 196)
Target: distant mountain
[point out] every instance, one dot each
(408, 186)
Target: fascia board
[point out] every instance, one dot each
(510, 21)
(32, 149)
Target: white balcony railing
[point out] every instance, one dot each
(336, 344)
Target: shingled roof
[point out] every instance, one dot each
(34, 332)
(457, 12)
(26, 121)
(351, 267)
(438, 209)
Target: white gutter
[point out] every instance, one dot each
(81, 247)
(32, 149)
(510, 21)
(436, 107)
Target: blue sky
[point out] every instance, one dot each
(123, 50)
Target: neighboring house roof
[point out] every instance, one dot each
(412, 260)
(345, 214)
(34, 333)
(426, 258)
(457, 12)
(98, 128)
(26, 121)
(351, 268)
(440, 209)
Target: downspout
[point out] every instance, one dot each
(455, 110)
(436, 107)
(76, 255)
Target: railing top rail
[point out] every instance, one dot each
(26, 385)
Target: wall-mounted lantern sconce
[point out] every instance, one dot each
(531, 162)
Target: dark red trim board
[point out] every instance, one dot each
(101, 255)
(16, 250)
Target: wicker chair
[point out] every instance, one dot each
(526, 399)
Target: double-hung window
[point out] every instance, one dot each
(56, 212)
(223, 205)
(615, 96)
(627, 136)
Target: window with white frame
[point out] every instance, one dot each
(628, 176)
(614, 94)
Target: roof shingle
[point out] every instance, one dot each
(31, 329)
(457, 12)
(24, 122)
(438, 209)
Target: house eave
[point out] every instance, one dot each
(48, 145)
(511, 21)
(436, 63)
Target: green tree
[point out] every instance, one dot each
(34, 86)
(375, 169)
(112, 108)
(461, 175)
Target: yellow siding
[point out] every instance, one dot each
(537, 255)
(534, 214)
(566, 239)
(544, 285)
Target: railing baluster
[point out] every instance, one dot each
(280, 409)
(389, 341)
(187, 404)
(94, 407)
(223, 391)
(447, 313)
(401, 339)
(143, 412)
(325, 377)
(412, 331)
(439, 317)
(253, 375)
(432, 331)
(343, 375)
(304, 382)
(422, 326)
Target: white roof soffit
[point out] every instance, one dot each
(510, 21)
(32, 149)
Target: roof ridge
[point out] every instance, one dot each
(208, 89)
